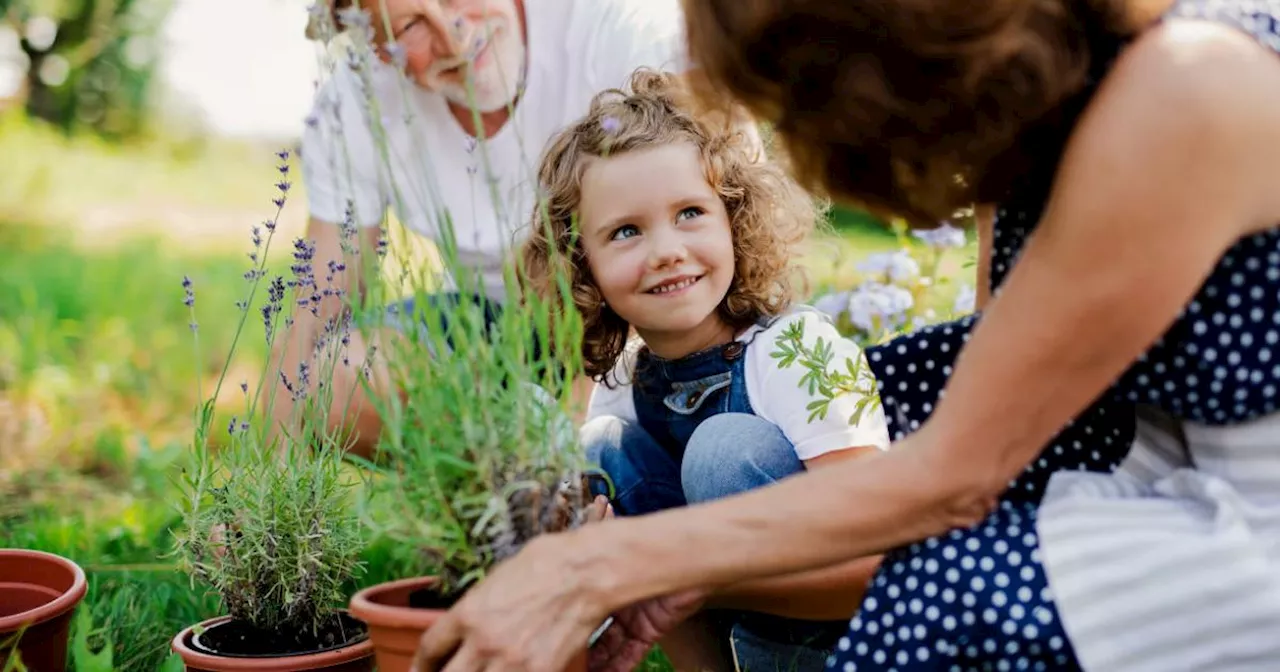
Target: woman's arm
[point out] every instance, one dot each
(830, 593)
(1169, 167)
(1124, 243)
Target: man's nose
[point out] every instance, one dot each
(447, 28)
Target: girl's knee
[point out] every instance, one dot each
(731, 453)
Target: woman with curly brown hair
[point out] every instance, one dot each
(666, 222)
(1128, 148)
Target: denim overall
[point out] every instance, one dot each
(698, 438)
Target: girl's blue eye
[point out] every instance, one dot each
(625, 231)
(689, 213)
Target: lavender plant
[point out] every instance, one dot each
(478, 454)
(269, 517)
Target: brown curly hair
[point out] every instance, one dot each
(768, 211)
(911, 108)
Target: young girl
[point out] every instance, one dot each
(674, 228)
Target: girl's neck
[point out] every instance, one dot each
(711, 332)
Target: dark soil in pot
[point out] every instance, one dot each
(430, 598)
(238, 639)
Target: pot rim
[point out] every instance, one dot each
(366, 609)
(190, 656)
(60, 605)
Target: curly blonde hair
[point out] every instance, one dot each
(769, 214)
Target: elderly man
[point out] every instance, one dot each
(466, 93)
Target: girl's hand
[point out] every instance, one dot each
(637, 628)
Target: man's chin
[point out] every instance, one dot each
(483, 103)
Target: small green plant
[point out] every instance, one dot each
(270, 523)
(480, 453)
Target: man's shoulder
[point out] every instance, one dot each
(622, 22)
(621, 13)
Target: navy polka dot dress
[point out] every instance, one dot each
(978, 599)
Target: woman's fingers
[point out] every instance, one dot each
(438, 644)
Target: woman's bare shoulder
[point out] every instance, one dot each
(1188, 95)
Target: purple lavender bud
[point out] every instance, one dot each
(270, 225)
(283, 155)
(189, 294)
(397, 53)
(244, 386)
(283, 186)
(231, 426)
(610, 125)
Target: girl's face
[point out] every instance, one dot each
(658, 243)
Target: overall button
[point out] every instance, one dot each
(693, 399)
(733, 350)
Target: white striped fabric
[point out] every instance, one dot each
(1173, 562)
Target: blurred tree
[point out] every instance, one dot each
(90, 63)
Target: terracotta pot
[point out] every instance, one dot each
(38, 591)
(395, 627)
(357, 657)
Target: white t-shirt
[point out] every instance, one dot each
(576, 48)
(775, 393)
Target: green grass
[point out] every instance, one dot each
(99, 375)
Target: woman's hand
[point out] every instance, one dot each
(533, 612)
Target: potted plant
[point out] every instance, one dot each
(39, 593)
(270, 520)
(479, 457)
(477, 454)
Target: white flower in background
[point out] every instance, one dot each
(876, 306)
(965, 300)
(943, 236)
(898, 266)
(832, 304)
